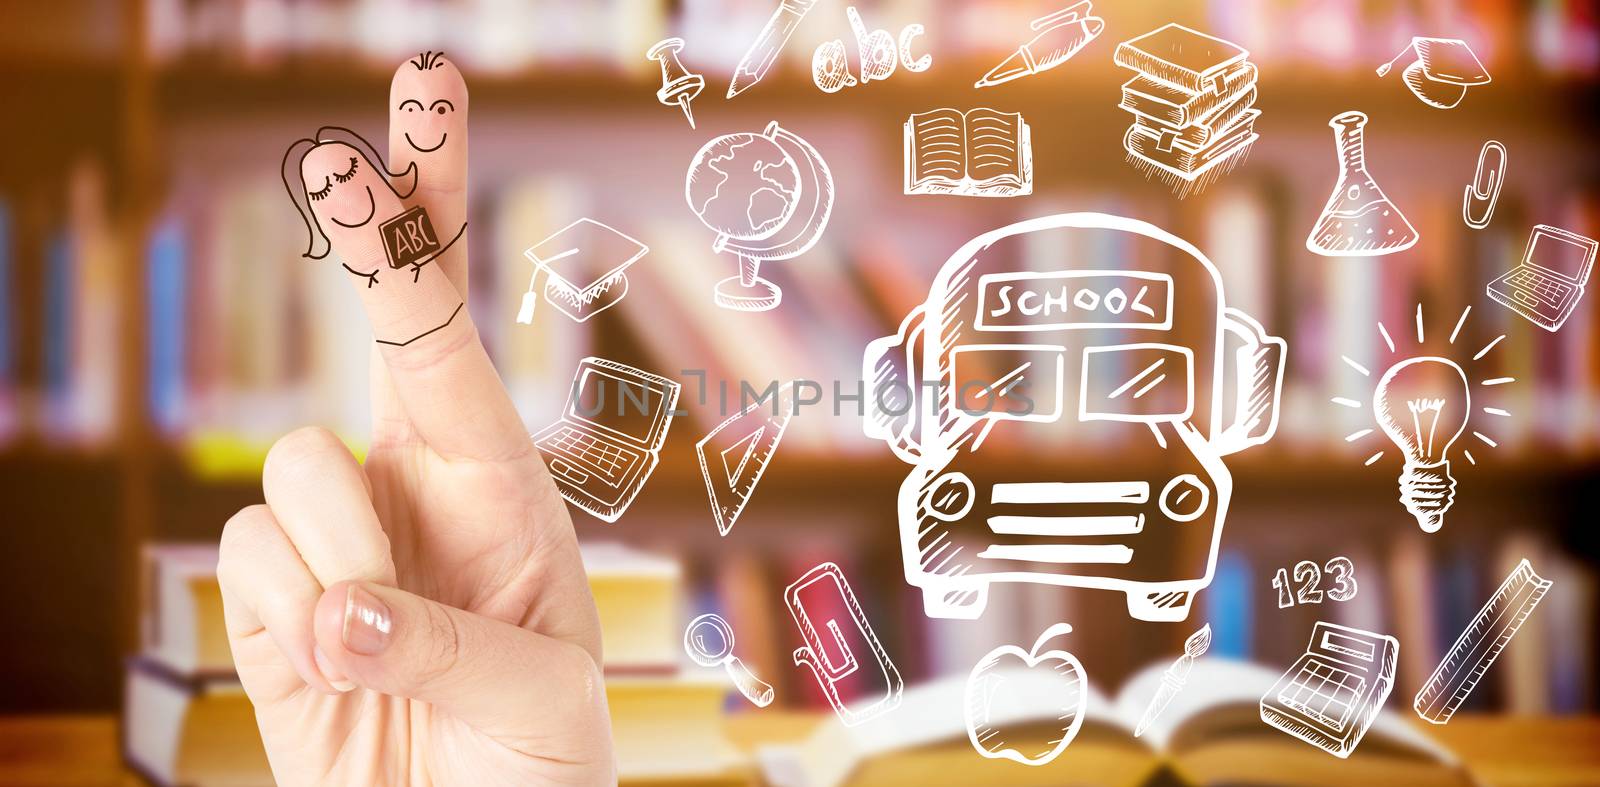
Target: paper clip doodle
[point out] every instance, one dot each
(1332, 694)
(709, 641)
(1477, 204)
(1480, 644)
(338, 177)
(1060, 36)
(818, 602)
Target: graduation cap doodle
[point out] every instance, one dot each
(1441, 72)
(584, 266)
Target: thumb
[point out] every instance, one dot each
(536, 694)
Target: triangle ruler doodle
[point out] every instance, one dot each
(735, 454)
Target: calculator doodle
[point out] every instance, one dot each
(1334, 691)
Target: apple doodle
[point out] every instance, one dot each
(1008, 681)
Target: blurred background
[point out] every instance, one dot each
(158, 328)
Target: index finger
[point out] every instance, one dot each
(428, 128)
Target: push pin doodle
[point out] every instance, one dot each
(678, 85)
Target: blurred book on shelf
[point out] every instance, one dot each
(505, 36)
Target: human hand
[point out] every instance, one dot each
(424, 619)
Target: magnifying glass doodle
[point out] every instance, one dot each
(709, 641)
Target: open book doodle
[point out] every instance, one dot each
(1210, 733)
(978, 153)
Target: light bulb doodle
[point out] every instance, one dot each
(1422, 405)
(1423, 402)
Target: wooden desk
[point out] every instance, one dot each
(81, 751)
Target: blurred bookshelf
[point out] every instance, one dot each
(160, 329)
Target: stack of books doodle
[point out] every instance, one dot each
(1192, 103)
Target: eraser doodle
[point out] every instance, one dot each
(608, 441)
(839, 645)
(977, 153)
(1060, 36)
(1480, 643)
(1332, 694)
(1193, 104)
(336, 177)
(1008, 681)
(709, 642)
(1547, 285)
(1359, 220)
(1308, 578)
(768, 197)
(1013, 343)
(1423, 404)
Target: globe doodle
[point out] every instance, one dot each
(743, 186)
(767, 196)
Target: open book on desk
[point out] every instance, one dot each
(978, 153)
(1210, 734)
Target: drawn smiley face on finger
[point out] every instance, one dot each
(427, 106)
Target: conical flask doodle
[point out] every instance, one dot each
(1358, 221)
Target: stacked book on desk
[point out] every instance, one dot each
(1193, 105)
(188, 721)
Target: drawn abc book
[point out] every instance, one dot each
(736, 453)
(409, 238)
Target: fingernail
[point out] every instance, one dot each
(330, 673)
(366, 622)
